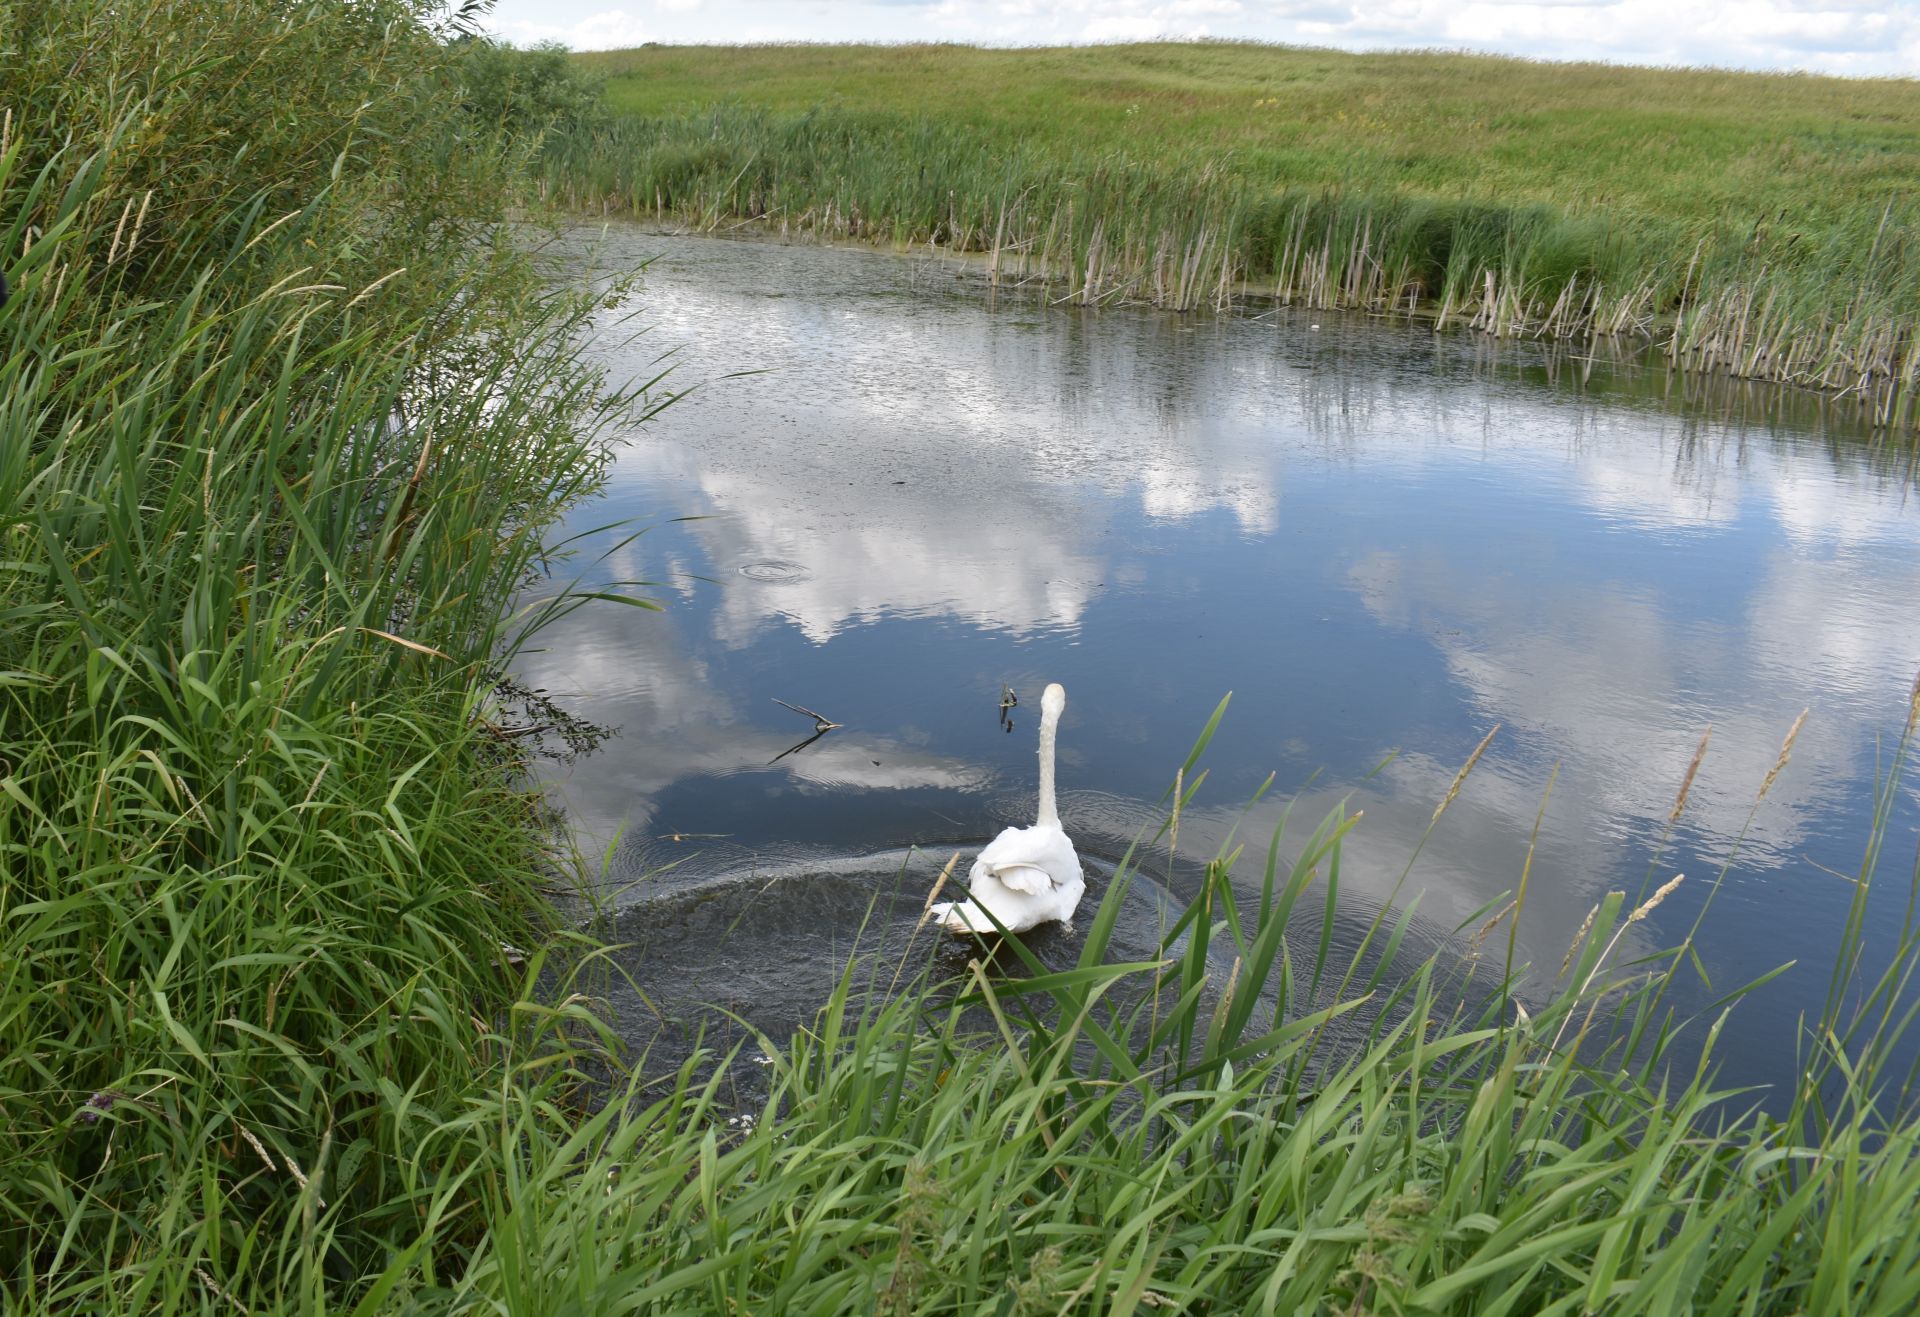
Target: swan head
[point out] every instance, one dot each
(1053, 700)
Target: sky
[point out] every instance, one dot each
(1855, 37)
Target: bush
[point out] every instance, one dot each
(525, 94)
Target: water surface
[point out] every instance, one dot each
(1383, 543)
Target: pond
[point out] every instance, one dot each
(1383, 542)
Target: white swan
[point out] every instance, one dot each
(1025, 876)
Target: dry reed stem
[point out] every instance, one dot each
(1647, 907)
(133, 239)
(1173, 837)
(1640, 912)
(1480, 934)
(1226, 998)
(314, 785)
(364, 292)
(403, 642)
(1686, 781)
(214, 1285)
(256, 1145)
(300, 1176)
(113, 249)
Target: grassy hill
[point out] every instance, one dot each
(1762, 224)
(1687, 145)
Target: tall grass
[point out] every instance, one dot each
(1129, 1137)
(1754, 225)
(283, 424)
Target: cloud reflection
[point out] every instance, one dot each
(1599, 574)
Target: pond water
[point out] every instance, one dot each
(1382, 542)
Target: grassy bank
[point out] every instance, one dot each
(1761, 225)
(283, 422)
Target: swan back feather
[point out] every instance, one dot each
(1024, 876)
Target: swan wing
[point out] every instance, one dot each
(1033, 860)
(1027, 878)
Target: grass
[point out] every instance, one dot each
(1761, 225)
(266, 493)
(1131, 1137)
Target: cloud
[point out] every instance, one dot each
(1138, 29)
(1721, 33)
(609, 29)
(1835, 36)
(644, 676)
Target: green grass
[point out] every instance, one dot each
(1762, 225)
(266, 494)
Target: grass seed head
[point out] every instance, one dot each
(1786, 753)
(1686, 780)
(1652, 902)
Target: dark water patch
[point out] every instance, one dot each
(715, 958)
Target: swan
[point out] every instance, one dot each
(1025, 876)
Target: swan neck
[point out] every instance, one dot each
(1049, 815)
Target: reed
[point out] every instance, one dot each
(1771, 234)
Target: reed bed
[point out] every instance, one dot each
(1753, 225)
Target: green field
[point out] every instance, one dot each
(1760, 224)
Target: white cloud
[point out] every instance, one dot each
(1721, 33)
(1123, 29)
(1836, 36)
(608, 29)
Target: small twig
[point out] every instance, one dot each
(214, 1285)
(802, 745)
(821, 723)
(510, 733)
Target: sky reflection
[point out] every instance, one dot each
(1379, 540)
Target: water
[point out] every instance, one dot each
(1382, 542)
